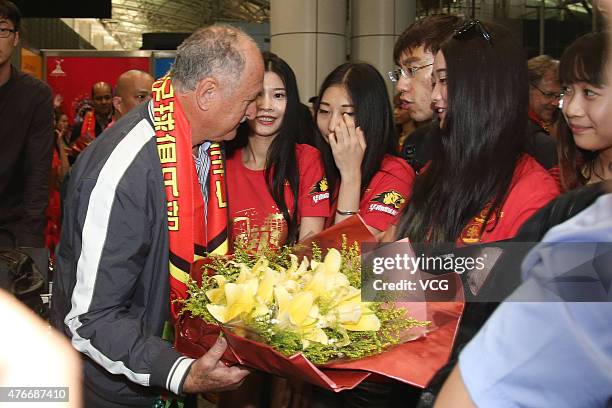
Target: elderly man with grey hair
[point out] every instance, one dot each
(544, 90)
(544, 94)
(117, 262)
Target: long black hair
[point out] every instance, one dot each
(373, 114)
(281, 161)
(483, 137)
(584, 60)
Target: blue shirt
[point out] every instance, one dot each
(551, 353)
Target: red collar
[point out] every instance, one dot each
(536, 119)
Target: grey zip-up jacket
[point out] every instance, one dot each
(111, 291)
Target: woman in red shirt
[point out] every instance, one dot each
(481, 185)
(274, 183)
(358, 143)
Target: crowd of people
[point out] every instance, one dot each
(478, 145)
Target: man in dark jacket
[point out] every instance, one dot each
(111, 294)
(26, 135)
(414, 53)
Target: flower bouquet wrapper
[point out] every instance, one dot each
(413, 362)
(353, 228)
(194, 337)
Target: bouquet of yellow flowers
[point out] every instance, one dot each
(302, 316)
(308, 306)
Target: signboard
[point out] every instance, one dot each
(72, 77)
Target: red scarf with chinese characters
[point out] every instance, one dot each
(190, 236)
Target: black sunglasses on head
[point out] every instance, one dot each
(469, 26)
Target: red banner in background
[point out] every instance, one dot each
(73, 77)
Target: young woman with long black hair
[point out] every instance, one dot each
(481, 185)
(273, 182)
(358, 144)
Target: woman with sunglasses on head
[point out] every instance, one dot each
(554, 349)
(585, 131)
(274, 182)
(358, 143)
(481, 185)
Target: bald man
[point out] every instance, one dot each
(133, 88)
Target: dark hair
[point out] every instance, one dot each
(57, 115)
(9, 10)
(584, 60)
(476, 152)
(373, 114)
(306, 127)
(281, 161)
(430, 32)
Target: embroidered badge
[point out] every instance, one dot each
(389, 202)
(320, 191)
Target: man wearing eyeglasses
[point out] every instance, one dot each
(544, 96)
(414, 54)
(544, 90)
(26, 137)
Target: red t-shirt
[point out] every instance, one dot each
(532, 188)
(387, 194)
(254, 215)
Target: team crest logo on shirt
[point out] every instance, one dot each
(388, 202)
(471, 234)
(320, 186)
(320, 191)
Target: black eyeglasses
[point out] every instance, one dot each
(548, 95)
(5, 32)
(469, 26)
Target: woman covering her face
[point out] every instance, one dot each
(273, 182)
(481, 185)
(358, 144)
(585, 131)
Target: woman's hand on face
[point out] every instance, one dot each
(348, 146)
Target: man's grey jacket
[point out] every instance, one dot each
(111, 290)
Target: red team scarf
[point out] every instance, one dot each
(88, 133)
(190, 238)
(217, 212)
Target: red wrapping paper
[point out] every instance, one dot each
(414, 362)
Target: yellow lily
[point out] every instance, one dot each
(216, 295)
(265, 290)
(367, 322)
(240, 298)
